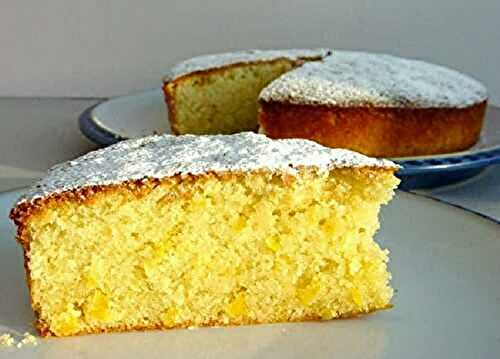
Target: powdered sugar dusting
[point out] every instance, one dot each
(166, 155)
(214, 61)
(349, 79)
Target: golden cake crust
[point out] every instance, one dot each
(376, 131)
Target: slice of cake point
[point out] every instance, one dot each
(217, 94)
(166, 232)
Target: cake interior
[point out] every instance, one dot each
(221, 101)
(219, 249)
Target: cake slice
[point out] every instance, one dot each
(217, 94)
(166, 232)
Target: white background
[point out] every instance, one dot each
(111, 47)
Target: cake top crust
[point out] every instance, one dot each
(360, 79)
(163, 156)
(215, 61)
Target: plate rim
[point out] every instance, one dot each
(428, 165)
(97, 132)
(94, 130)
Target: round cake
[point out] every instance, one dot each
(376, 104)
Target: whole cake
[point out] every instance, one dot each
(217, 94)
(376, 104)
(379, 105)
(178, 231)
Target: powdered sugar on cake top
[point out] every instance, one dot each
(207, 62)
(167, 155)
(351, 79)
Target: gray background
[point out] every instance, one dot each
(111, 47)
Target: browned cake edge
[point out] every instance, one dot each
(169, 86)
(376, 131)
(45, 332)
(21, 213)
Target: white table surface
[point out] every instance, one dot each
(37, 133)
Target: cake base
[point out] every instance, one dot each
(45, 332)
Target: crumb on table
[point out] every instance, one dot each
(7, 340)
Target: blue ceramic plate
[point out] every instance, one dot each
(144, 113)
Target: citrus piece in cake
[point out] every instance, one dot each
(376, 104)
(216, 94)
(179, 231)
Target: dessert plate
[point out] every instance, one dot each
(144, 113)
(447, 302)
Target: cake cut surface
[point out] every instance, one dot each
(168, 232)
(217, 94)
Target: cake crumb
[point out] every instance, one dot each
(29, 339)
(7, 340)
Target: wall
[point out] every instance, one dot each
(112, 47)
